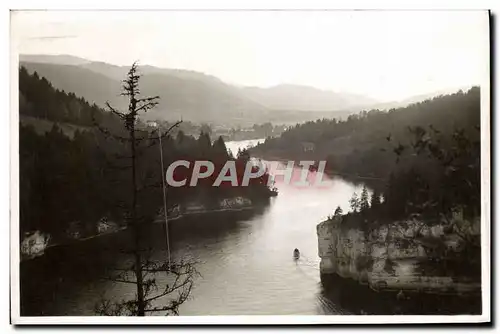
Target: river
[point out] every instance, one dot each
(245, 260)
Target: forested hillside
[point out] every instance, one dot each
(80, 178)
(365, 144)
(426, 156)
(194, 96)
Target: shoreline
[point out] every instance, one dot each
(361, 299)
(124, 228)
(202, 212)
(329, 172)
(382, 264)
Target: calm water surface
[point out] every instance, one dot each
(245, 259)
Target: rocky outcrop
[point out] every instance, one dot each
(34, 244)
(226, 204)
(106, 226)
(198, 207)
(388, 257)
(235, 203)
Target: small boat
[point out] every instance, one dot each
(296, 254)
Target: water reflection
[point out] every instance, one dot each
(354, 298)
(245, 260)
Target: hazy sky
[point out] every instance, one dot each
(382, 54)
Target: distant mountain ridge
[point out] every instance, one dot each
(419, 98)
(196, 96)
(54, 59)
(299, 97)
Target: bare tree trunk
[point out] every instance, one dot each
(137, 230)
(144, 269)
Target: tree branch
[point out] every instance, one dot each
(164, 135)
(114, 111)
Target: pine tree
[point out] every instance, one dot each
(375, 199)
(145, 268)
(204, 145)
(220, 149)
(354, 202)
(363, 203)
(243, 155)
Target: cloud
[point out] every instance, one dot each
(52, 37)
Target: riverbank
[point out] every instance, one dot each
(70, 279)
(41, 242)
(204, 211)
(360, 299)
(244, 258)
(372, 181)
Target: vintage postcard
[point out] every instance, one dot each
(299, 167)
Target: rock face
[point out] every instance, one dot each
(387, 258)
(34, 244)
(106, 226)
(234, 203)
(197, 207)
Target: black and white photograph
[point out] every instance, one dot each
(296, 166)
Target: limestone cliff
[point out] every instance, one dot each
(389, 256)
